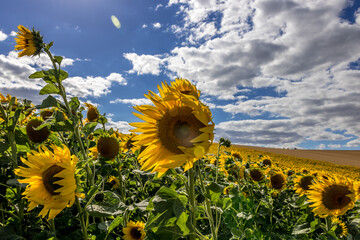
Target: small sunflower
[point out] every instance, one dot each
(127, 142)
(94, 154)
(114, 181)
(236, 155)
(357, 189)
(332, 197)
(92, 113)
(341, 229)
(175, 132)
(108, 146)
(256, 174)
(36, 136)
(30, 42)
(51, 179)
(134, 231)
(277, 181)
(303, 183)
(266, 161)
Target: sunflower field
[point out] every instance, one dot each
(66, 175)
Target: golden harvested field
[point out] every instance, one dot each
(340, 163)
(341, 157)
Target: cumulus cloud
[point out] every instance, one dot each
(157, 25)
(133, 101)
(292, 56)
(14, 73)
(122, 126)
(144, 64)
(3, 36)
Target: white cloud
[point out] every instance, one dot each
(292, 57)
(122, 126)
(133, 101)
(144, 26)
(158, 7)
(334, 145)
(13, 33)
(321, 146)
(14, 73)
(3, 36)
(157, 25)
(144, 64)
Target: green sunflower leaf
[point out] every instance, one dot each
(49, 89)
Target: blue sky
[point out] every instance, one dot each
(275, 73)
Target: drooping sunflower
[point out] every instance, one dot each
(51, 179)
(36, 136)
(332, 197)
(256, 174)
(30, 42)
(108, 146)
(134, 231)
(277, 181)
(92, 114)
(341, 229)
(176, 132)
(303, 183)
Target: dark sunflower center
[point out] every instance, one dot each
(277, 181)
(305, 182)
(135, 233)
(178, 129)
(267, 162)
(49, 179)
(334, 197)
(256, 175)
(46, 114)
(235, 155)
(186, 92)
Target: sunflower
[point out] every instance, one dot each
(134, 231)
(357, 189)
(51, 179)
(36, 136)
(30, 42)
(92, 113)
(277, 181)
(256, 174)
(108, 146)
(341, 229)
(127, 142)
(266, 161)
(302, 184)
(332, 197)
(236, 155)
(114, 181)
(175, 132)
(177, 88)
(46, 114)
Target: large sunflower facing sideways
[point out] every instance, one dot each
(176, 132)
(332, 197)
(134, 231)
(30, 42)
(51, 179)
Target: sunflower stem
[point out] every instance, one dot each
(192, 202)
(217, 163)
(207, 206)
(52, 226)
(81, 217)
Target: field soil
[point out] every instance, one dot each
(342, 157)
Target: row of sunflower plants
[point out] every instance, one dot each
(66, 177)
